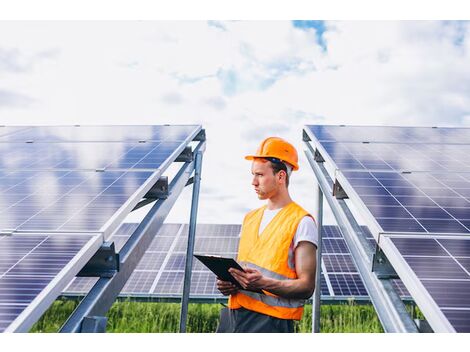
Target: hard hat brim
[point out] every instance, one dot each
(252, 157)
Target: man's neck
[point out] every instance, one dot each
(279, 201)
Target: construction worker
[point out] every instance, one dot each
(277, 250)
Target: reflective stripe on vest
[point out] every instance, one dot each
(272, 300)
(269, 253)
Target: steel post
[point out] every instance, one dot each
(317, 294)
(191, 237)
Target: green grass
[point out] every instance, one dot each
(164, 317)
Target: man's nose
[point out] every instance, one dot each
(254, 182)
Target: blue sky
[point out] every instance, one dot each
(242, 80)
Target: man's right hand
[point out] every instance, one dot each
(226, 287)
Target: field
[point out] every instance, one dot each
(164, 317)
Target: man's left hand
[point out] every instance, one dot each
(251, 279)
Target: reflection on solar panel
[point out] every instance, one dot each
(391, 134)
(34, 268)
(90, 155)
(399, 157)
(173, 133)
(63, 190)
(412, 186)
(65, 200)
(160, 273)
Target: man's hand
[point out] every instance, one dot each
(251, 279)
(226, 287)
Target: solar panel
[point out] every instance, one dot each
(412, 185)
(34, 269)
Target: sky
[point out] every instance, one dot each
(242, 81)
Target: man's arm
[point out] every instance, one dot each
(302, 287)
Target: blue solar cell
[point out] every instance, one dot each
(418, 246)
(443, 226)
(347, 285)
(458, 318)
(380, 200)
(415, 201)
(400, 225)
(456, 247)
(448, 293)
(464, 262)
(334, 245)
(388, 212)
(428, 213)
(436, 268)
(339, 263)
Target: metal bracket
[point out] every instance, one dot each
(159, 190)
(381, 266)
(423, 326)
(190, 181)
(338, 191)
(105, 262)
(318, 157)
(186, 155)
(94, 324)
(305, 136)
(201, 136)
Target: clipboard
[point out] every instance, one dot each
(220, 265)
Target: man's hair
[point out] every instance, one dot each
(280, 166)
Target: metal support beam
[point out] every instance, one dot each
(387, 303)
(317, 294)
(103, 294)
(191, 236)
(94, 324)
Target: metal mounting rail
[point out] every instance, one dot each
(387, 303)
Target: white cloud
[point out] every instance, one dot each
(242, 80)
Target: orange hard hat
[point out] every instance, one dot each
(275, 147)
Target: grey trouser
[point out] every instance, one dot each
(244, 320)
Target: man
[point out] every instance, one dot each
(277, 250)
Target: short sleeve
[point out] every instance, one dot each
(306, 231)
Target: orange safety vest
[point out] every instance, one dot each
(269, 253)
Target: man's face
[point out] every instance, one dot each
(266, 184)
